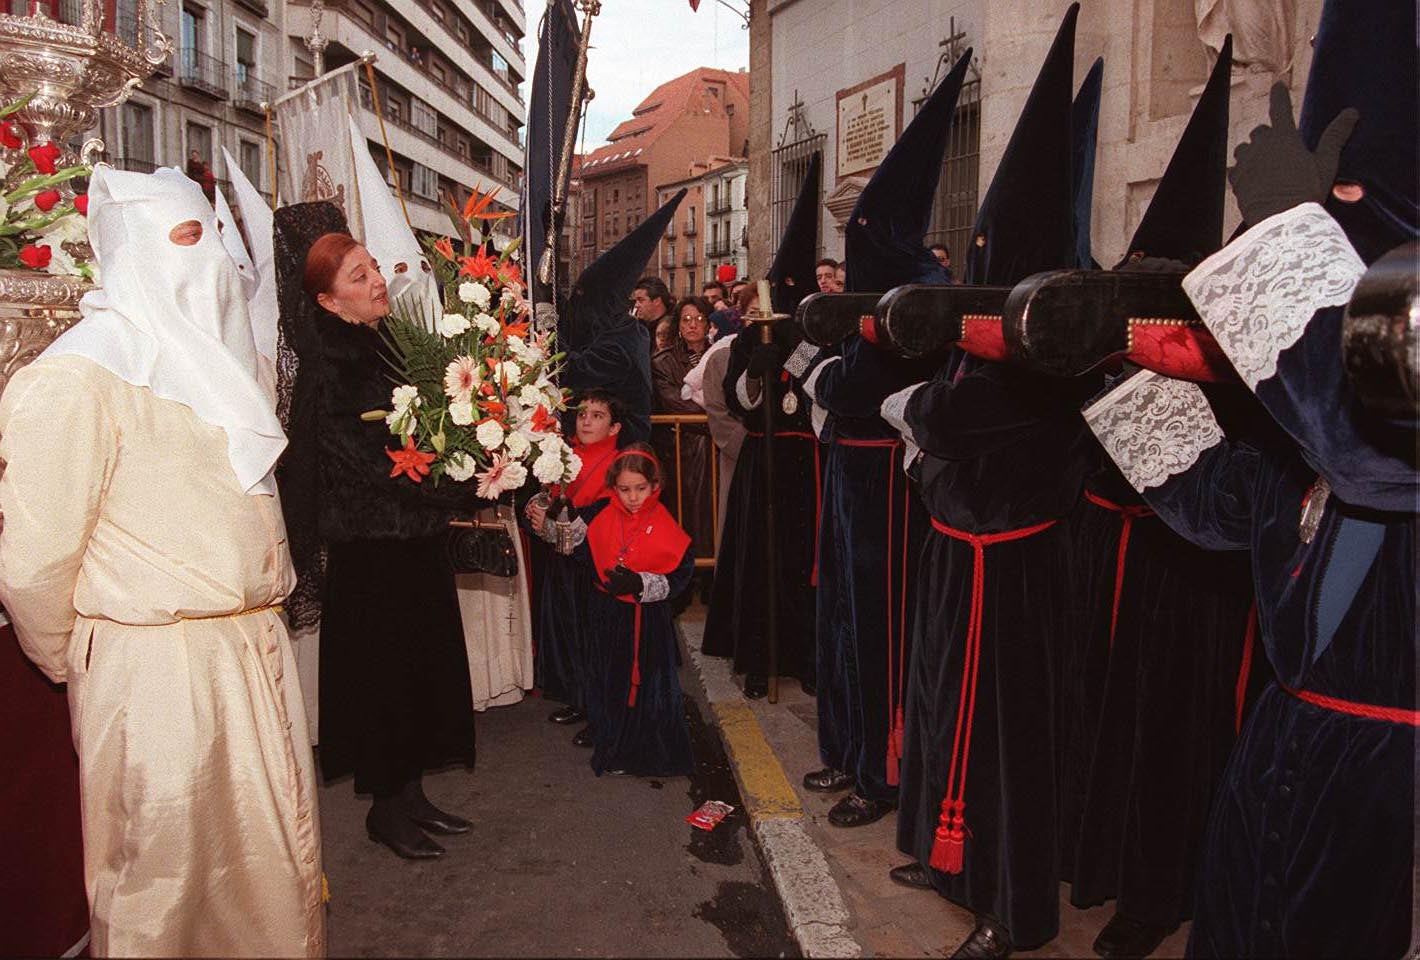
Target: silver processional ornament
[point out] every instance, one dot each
(790, 403)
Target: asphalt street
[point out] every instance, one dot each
(560, 863)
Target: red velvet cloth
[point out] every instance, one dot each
(43, 908)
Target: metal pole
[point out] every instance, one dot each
(764, 315)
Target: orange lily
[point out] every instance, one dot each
(444, 248)
(410, 461)
(542, 421)
(477, 206)
(494, 409)
(516, 329)
(478, 266)
(512, 275)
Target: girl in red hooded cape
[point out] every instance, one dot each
(640, 559)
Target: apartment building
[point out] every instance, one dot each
(448, 75)
(709, 230)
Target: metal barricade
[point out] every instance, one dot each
(678, 422)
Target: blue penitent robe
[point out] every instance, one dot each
(650, 738)
(1004, 454)
(618, 360)
(1310, 844)
(871, 527)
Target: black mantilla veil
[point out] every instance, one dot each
(298, 473)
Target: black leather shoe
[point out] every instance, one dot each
(583, 737)
(856, 811)
(416, 806)
(756, 688)
(1125, 937)
(567, 715)
(400, 834)
(912, 875)
(989, 941)
(827, 780)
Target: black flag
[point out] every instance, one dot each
(548, 105)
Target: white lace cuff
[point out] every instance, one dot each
(811, 384)
(800, 359)
(742, 392)
(1258, 293)
(1154, 427)
(654, 587)
(549, 530)
(894, 411)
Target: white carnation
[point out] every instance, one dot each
(548, 467)
(550, 445)
(487, 324)
(530, 397)
(475, 293)
(490, 434)
(517, 445)
(514, 476)
(460, 467)
(461, 412)
(527, 354)
(508, 372)
(404, 397)
(452, 324)
(574, 467)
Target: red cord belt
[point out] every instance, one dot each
(635, 647)
(818, 486)
(949, 841)
(1128, 514)
(896, 641)
(1409, 718)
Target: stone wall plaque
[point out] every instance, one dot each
(869, 121)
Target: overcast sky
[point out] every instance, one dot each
(638, 44)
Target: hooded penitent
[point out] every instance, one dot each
(173, 318)
(1364, 56)
(1084, 132)
(1026, 221)
(883, 240)
(548, 106)
(791, 275)
(601, 297)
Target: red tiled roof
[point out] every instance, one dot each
(654, 115)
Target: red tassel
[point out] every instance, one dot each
(892, 762)
(949, 844)
(898, 737)
(635, 684)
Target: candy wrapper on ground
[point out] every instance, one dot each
(708, 814)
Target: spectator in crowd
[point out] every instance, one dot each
(687, 490)
(664, 335)
(651, 300)
(825, 272)
(716, 295)
(840, 277)
(944, 257)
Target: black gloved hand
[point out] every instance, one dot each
(767, 358)
(1275, 171)
(621, 582)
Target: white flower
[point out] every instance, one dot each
(507, 372)
(452, 324)
(548, 467)
(475, 293)
(487, 324)
(514, 476)
(489, 434)
(574, 468)
(517, 445)
(527, 354)
(401, 419)
(61, 263)
(460, 467)
(67, 229)
(502, 476)
(550, 445)
(462, 376)
(530, 396)
(404, 397)
(461, 412)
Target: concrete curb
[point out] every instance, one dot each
(813, 903)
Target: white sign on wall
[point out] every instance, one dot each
(869, 121)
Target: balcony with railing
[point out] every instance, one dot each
(689, 258)
(249, 93)
(718, 206)
(133, 164)
(257, 7)
(203, 73)
(689, 230)
(717, 248)
(668, 258)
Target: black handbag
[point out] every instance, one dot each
(482, 549)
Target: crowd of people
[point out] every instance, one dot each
(1137, 627)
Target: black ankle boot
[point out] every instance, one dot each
(386, 823)
(415, 805)
(1127, 937)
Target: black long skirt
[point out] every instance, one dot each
(395, 699)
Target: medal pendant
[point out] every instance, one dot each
(790, 404)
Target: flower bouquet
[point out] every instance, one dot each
(38, 228)
(475, 397)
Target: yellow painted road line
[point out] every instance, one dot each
(766, 790)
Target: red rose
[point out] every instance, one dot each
(46, 199)
(10, 135)
(81, 203)
(44, 156)
(35, 256)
